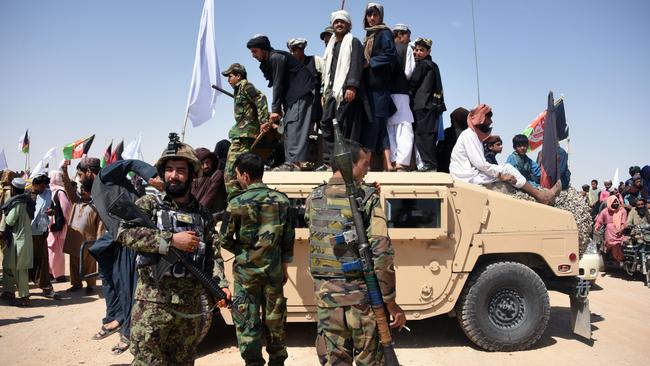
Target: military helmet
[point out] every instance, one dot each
(178, 150)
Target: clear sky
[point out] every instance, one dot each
(69, 69)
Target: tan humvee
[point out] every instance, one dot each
(461, 250)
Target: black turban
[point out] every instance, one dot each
(261, 42)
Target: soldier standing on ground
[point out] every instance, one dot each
(347, 330)
(251, 117)
(258, 231)
(165, 316)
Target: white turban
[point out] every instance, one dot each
(341, 15)
(297, 42)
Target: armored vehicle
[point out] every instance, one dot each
(460, 249)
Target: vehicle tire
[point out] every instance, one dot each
(504, 307)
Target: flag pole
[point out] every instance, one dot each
(184, 126)
(478, 88)
(342, 4)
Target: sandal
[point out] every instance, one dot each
(121, 346)
(105, 332)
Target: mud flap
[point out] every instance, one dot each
(580, 314)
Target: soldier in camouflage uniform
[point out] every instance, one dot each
(347, 330)
(165, 316)
(251, 118)
(259, 233)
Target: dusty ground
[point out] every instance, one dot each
(58, 333)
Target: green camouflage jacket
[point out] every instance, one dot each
(346, 292)
(251, 110)
(146, 240)
(259, 233)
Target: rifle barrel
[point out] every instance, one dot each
(223, 91)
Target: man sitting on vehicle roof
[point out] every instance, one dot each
(468, 162)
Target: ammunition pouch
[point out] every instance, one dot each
(332, 239)
(175, 221)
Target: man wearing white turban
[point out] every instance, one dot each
(343, 64)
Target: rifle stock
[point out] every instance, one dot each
(343, 158)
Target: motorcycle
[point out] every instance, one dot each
(637, 252)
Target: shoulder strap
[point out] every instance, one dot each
(368, 192)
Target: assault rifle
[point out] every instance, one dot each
(343, 158)
(126, 210)
(261, 151)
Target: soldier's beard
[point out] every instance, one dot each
(177, 189)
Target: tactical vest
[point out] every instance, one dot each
(332, 236)
(175, 221)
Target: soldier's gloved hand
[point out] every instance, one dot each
(224, 302)
(399, 318)
(186, 241)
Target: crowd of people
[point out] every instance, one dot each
(616, 208)
(384, 94)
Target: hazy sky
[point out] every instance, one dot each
(74, 68)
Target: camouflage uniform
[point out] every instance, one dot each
(251, 111)
(162, 332)
(264, 241)
(347, 329)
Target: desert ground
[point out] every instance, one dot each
(58, 333)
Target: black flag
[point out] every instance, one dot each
(560, 121)
(548, 163)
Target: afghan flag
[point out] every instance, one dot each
(78, 148)
(549, 164)
(23, 143)
(535, 130)
(117, 152)
(106, 159)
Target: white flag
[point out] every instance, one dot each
(51, 153)
(202, 98)
(616, 180)
(133, 149)
(3, 160)
(38, 170)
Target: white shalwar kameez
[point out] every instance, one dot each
(399, 125)
(468, 163)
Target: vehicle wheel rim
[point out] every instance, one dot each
(507, 309)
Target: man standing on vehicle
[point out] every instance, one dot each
(347, 329)
(292, 97)
(342, 98)
(259, 232)
(165, 324)
(251, 118)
